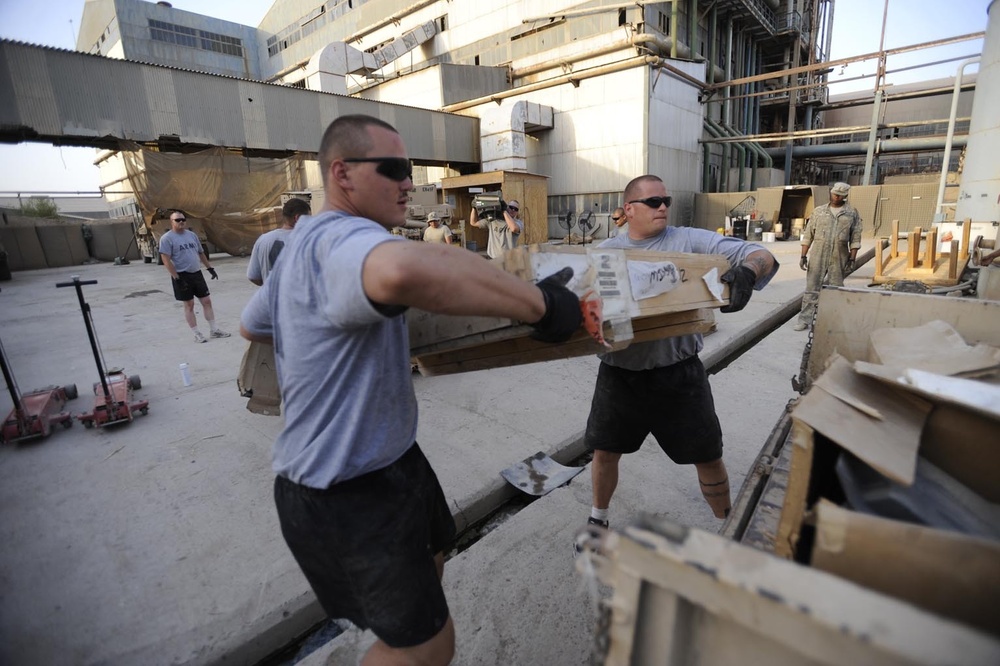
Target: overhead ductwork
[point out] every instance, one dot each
(503, 132)
(329, 68)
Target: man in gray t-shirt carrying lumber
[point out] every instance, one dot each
(359, 505)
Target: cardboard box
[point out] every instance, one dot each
(645, 296)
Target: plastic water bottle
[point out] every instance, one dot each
(186, 374)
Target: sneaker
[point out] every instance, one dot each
(198, 337)
(591, 522)
(219, 333)
(800, 326)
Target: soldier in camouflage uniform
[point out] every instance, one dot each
(835, 232)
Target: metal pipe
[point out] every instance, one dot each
(719, 130)
(728, 73)
(951, 132)
(859, 58)
(674, 12)
(713, 25)
(661, 45)
(873, 133)
(575, 77)
(573, 13)
(861, 147)
(693, 26)
(833, 131)
(706, 172)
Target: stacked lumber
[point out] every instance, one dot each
(646, 296)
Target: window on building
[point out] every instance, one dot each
(171, 33)
(212, 41)
(663, 22)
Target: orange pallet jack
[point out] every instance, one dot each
(113, 399)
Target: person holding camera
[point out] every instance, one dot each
(504, 229)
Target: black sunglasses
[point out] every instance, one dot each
(653, 202)
(617, 218)
(179, 219)
(513, 208)
(393, 168)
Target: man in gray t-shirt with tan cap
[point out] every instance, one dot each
(504, 230)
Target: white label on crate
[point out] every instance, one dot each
(610, 282)
(545, 264)
(650, 279)
(711, 279)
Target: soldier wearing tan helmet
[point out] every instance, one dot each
(435, 231)
(834, 234)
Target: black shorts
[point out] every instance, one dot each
(189, 285)
(367, 547)
(673, 403)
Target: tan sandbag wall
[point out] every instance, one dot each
(33, 244)
(113, 240)
(24, 250)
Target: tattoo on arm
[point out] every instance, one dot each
(759, 263)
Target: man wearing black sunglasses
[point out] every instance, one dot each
(618, 217)
(504, 230)
(359, 505)
(661, 387)
(182, 254)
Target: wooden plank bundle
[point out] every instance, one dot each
(646, 296)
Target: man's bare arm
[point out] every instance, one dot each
(761, 262)
(447, 280)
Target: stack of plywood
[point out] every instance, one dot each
(645, 296)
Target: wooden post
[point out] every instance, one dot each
(966, 231)
(894, 252)
(930, 252)
(953, 261)
(879, 263)
(913, 248)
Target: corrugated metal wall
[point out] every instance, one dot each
(912, 204)
(51, 95)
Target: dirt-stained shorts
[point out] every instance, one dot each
(673, 403)
(189, 285)
(367, 547)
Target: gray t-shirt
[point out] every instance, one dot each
(661, 353)
(265, 253)
(343, 367)
(501, 237)
(183, 249)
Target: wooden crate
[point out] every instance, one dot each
(441, 345)
(685, 597)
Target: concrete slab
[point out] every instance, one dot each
(157, 542)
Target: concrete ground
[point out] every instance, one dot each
(157, 543)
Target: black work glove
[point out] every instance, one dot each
(503, 205)
(740, 280)
(211, 271)
(849, 266)
(804, 263)
(562, 309)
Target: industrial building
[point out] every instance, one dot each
(585, 95)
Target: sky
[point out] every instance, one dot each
(30, 167)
